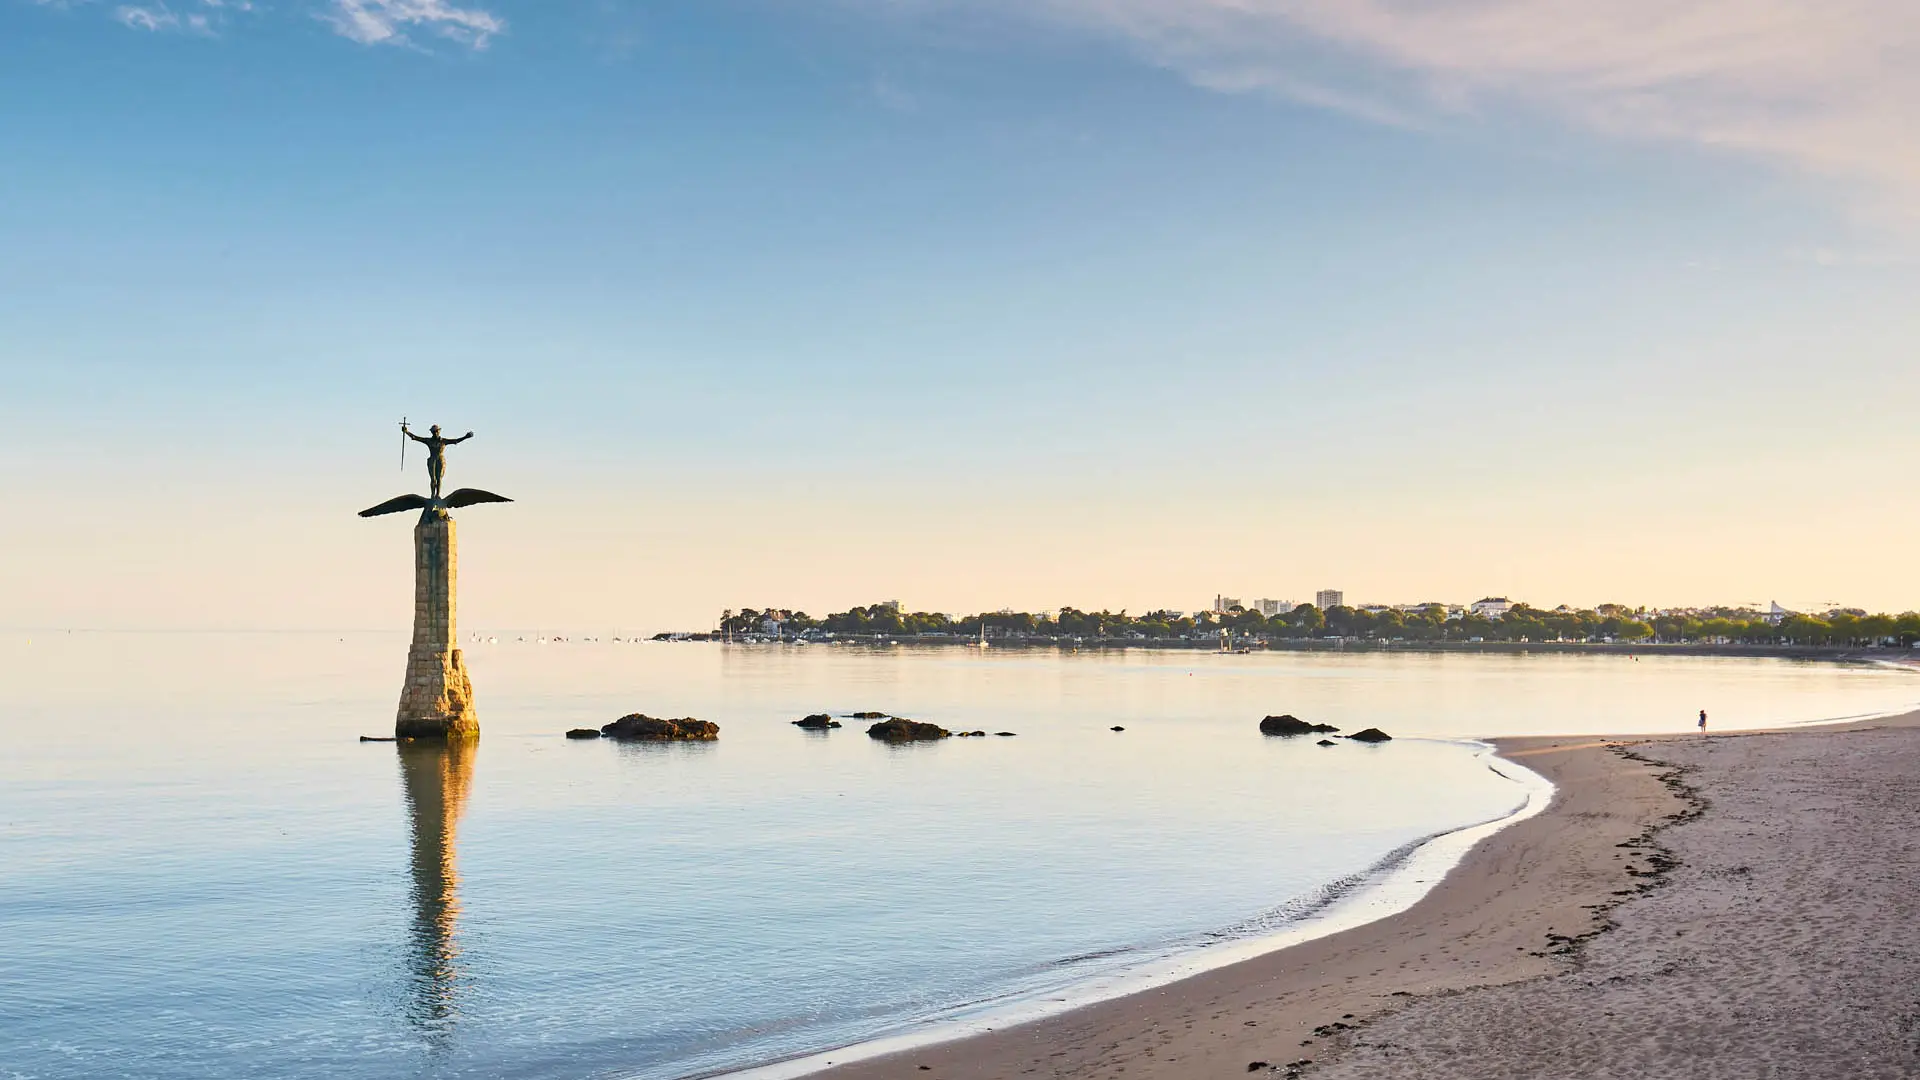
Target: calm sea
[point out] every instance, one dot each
(204, 875)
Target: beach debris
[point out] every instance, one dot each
(1326, 742)
(899, 729)
(817, 722)
(1327, 1030)
(642, 726)
(584, 733)
(1372, 734)
(1289, 724)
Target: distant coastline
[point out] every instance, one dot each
(1232, 627)
(1890, 654)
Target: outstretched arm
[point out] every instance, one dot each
(409, 434)
(461, 439)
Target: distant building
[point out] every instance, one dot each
(1492, 607)
(1776, 614)
(1224, 604)
(1329, 598)
(1270, 608)
(890, 605)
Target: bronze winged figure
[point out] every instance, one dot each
(436, 470)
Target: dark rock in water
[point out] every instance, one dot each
(899, 730)
(1256, 1066)
(1326, 742)
(584, 733)
(867, 715)
(376, 738)
(963, 734)
(1116, 727)
(1006, 734)
(817, 722)
(977, 734)
(642, 726)
(1325, 728)
(1287, 724)
(1372, 734)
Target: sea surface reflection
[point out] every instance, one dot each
(204, 875)
(436, 778)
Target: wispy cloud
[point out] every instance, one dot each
(387, 22)
(1826, 87)
(146, 18)
(159, 17)
(369, 22)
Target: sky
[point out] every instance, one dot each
(1110, 303)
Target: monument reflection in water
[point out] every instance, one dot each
(437, 777)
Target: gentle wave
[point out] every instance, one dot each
(1391, 885)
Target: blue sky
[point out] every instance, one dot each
(974, 305)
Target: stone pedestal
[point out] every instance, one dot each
(437, 700)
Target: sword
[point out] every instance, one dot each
(403, 444)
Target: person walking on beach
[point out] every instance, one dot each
(1703, 721)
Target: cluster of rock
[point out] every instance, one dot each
(899, 729)
(892, 728)
(1289, 726)
(652, 729)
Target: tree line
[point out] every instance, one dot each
(1608, 622)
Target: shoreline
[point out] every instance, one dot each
(1518, 907)
(1393, 884)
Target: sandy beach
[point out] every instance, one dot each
(1740, 905)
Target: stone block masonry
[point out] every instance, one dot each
(437, 700)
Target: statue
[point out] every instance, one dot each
(436, 697)
(436, 470)
(436, 452)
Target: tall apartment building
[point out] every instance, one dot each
(1329, 598)
(1270, 608)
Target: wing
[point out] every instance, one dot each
(394, 506)
(470, 496)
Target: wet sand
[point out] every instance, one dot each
(1778, 939)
